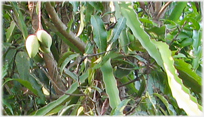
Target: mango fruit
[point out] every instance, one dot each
(44, 38)
(32, 45)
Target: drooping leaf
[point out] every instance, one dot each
(10, 30)
(71, 45)
(121, 23)
(100, 34)
(97, 5)
(124, 41)
(7, 104)
(179, 91)
(55, 110)
(119, 109)
(102, 60)
(142, 87)
(177, 11)
(82, 23)
(23, 65)
(110, 84)
(67, 60)
(5, 68)
(46, 109)
(24, 83)
(20, 19)
(166, 103)
(136, 27)
(189, 77)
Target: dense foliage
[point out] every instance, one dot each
(107, 58)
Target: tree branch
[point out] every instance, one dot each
(62, 28)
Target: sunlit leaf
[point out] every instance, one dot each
(136, 27)
(179, 91)
(189, 77)
(110, 84)
(82, 16)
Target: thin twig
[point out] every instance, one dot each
(162, 9)
(39, 15)
(179, 31)
(59, 88)
(136, 79)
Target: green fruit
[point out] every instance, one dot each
(44, 38)
(32, 45)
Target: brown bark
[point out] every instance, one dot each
(62, 28)
(50, 62)
(53, 72)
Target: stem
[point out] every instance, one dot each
(62, 28)
(39, 16)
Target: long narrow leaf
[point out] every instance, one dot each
(182, 94)
(20, 19)
(119, 109)
(189, 77)
(24, 83)
(176, 13)
(118, 28)
(136, 27)
(46, 109)
(100, 34)
(110, 84)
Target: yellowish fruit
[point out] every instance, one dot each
(32, 45)
(44, 38)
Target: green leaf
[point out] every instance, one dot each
(136, 27)
(67, 60)
(23, 65)
(188, 75)
(9, 31)
(61, 100)
(159, 31)
(134, 44)
(55, 110)
(186, 42)
(71, 74)
(142, 87)
(179, 91)
(105, 58)
(177, 11)
(121, 23)
(119, 109)
(100, 34)
(97, 5)
(110, 84)
(166, 103)
(82, 23)
(20, 19)
(131, 87)
(6, 103)
(5, 68)
(71, 45)
(24, 83)
(65, 109)
(124, 41)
